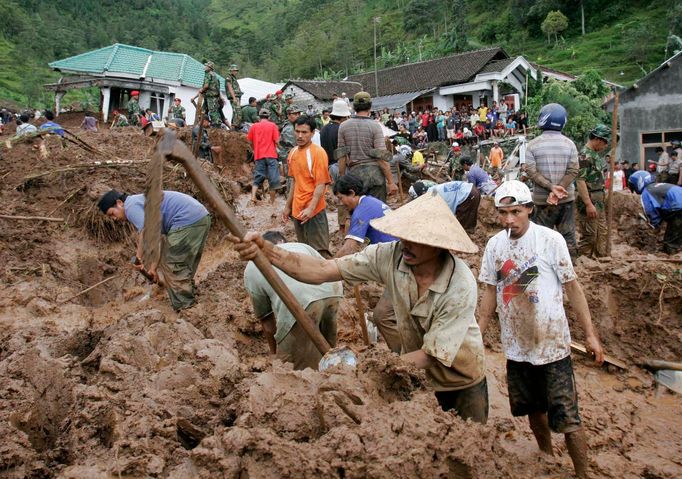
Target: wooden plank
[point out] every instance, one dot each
(607, 359)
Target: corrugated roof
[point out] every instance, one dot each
(324, 90)
(142, 63)
(450, 70)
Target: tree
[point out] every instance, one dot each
(458, 33)
(555, 22)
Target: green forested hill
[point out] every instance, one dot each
(280, 39)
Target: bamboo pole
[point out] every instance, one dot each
(106, 280)
(31, 218)
(609, 203)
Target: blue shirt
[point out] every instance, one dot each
(661, 198)
(57, 128)
(368, 209)
(177, 211)
(454, 193)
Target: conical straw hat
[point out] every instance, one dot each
(427, 220)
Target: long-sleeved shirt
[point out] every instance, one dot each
(552, 159)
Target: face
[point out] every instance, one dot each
(415, 254)
(600, 145)
(350, 200)
(303, 134)
(177, 102)
(293, 116)
(515, 218)
(117, 212)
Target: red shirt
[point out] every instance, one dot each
(264, 135)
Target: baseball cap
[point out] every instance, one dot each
(362, 98)
(514, 189)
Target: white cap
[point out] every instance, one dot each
(340, 108)
(513, 189)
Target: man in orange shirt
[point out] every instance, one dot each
(496, 157)
(309, 173)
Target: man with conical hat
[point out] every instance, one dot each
(432, 290)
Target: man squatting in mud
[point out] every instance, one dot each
(433, 293)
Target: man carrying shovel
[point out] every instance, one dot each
(433, 292)
(184, 221)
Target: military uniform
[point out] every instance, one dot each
(177, 112)
(134, 112)
(278, 111)
(593, 231)
(237, 99)
(249, 114)
(213, 104)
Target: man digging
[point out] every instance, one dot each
(523, 269)
(184, 221)
(433, 293)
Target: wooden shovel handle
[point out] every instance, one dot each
(178, 151)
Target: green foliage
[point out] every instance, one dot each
(555, 22)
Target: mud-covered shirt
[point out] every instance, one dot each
(441, 322)
(528, 273)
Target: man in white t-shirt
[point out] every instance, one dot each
(524, 268)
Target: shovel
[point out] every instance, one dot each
(175, 150)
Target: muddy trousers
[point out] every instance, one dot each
(469, 403)
(314, 233)
(593, 235)
(672, 240)
(182, 252)
(561, 216)
(297, 348)
(383, 317)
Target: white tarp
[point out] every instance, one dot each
(252, 87)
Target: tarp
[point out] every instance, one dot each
(252, 87)
(394, 102)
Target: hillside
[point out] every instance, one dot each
(280, 39)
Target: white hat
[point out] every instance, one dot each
(427, 220)
(340, 108)
(513, 189)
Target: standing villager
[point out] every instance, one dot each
(213, 103)
(433, 293)
(675, 168)
(524, 269)
(264, 136)
(176, 113)
(235, 95)
(184, 223)
(309, 173)
(329, 135)
(552, 164)
(662, 202)
(591, 202)
(286, 338)
(134, 111)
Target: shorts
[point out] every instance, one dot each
(549, 388)
(451, 134)
(267, 168)
(469, 403)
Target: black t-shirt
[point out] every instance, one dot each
(329, 139)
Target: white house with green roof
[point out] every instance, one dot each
(119, 69)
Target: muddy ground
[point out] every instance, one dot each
(113, 383)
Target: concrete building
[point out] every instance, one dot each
(319, 93)
(650, 113)
(160, 77)
(469, 78)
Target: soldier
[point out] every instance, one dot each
(134, 110)
(277, 110)
(176, 113)
(287, 140)
(591, 204)
(288, 100)
(213, 103)
(235, 93)
(250, 111)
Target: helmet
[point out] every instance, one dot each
(513, 189)
(640, 180)
(552, 117)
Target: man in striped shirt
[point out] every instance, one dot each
(552, 162)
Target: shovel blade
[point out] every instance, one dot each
(338, 356)
(670, 379)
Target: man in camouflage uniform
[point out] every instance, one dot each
(134, 110)
(176, 113)
(213, 103)
(250, 111)
(235, 94)
(287, 140)
(591, 194)
(278, 112)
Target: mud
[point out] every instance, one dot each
(112, 384)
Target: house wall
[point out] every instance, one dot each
(653, 107)
(442, 102)
(185, 94)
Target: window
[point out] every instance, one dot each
(652, 140)
(156, 103)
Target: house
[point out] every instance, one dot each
(319, 93)
(649, 112)
(469, 78)
(118, 69)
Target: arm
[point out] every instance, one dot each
(290, 201)
(577, 299)
(349, 246)
(386, 169)
(302, 267)
(571, 170)
(486, 313)
(269, 326)
(419, 359)
(231, 91)
(585, 196)
(533, 173)
(307, 213)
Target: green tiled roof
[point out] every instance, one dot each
(137, 62)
